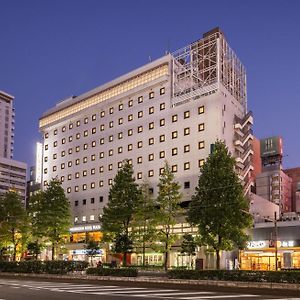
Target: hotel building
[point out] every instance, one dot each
(172, 109)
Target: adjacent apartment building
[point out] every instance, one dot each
(12, 172)
(172, 109)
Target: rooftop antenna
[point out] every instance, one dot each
(168, 47)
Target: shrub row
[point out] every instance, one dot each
(50, 267)
(290, 276)
(123, 272)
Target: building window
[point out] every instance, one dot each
(186, 114)
(130, 103)
(94, 117)
(151, 141)
(150, 173)
(186, 148)
(78, 123)
(45, 158)
(120, 121)
(63, 129)
(162, 106)
(84, 173)
(101, 141)
(101, 199)
(201, 162)
(70, 138)
(111, 110)
(129, 147)
(93, 157)
(201, 145)
(63, 153)
(162, 138)
(174, 118)
(77, 161)
(110, 152)
(84, 187)
(54, 168)
(111, 138)
(140, 99)
(140, 114)
(93, 144)
(151, 95)
(161, 154)
(101, 169)
(151, 157)
(186, 166)
(120, 149)
(186, 131)
(120, 164)
(46, 147)
(55, 144)
(70, 125)
(162, 91)
(101, 155)
(111, 124)
(120, 106)
(139, 159)
(139, 175)
(186, 185)
(62, 166)
(140, 129)
(84, 202)
(93, 171)
(92, 185)
(151, 110)
(77, 136)
(85, 133)
(85, 146)
(92, 217)
(130, 132)
(201, 127)
(77, 149)
(101, 183)
(46, 135)
(76, 188)
(110, 181)
(201, 110)
(174, 168)
(70, 150)
(63, 141)
(174, 151)
(76, 202)
(110, 167)
(77, 175)
(68, 190)
(93, 130)
(85, 121)
(140, 144)
(55, 156)
(174, 134)
(55, 132)
(130, 117)
(162, 122)
(102, 127)
(151, 125)
(102, 114)
(120, 135)
(69, 164)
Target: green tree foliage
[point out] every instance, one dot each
(14, 221)
(145, 221)
(188, 246)
(123, 200)
(34, 249)
(92, 248)
(168, 200)
(219, 207)
(51, 217)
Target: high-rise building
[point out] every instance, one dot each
(294, 173)
(172, 109)
(12, 172)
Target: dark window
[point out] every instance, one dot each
(101, 199)
(186, 184)
(92, 200)
(84, 201)
(76, 202)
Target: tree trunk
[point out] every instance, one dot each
(15, 246)
(53, 250)
(218, 259)
(166, 257)
(124, 259)
(144, 252)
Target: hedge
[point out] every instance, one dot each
(290, 276)
(122, 272)
(49, 267)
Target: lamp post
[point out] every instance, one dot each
(275, 240)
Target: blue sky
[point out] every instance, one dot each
(50, 50)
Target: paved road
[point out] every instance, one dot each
(45, 290)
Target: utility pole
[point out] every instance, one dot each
(275, 240)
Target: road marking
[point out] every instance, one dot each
(179, 293)
(219, 296)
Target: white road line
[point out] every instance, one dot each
(180, 293)
(105, 291)
(147, 291)
(219, 296)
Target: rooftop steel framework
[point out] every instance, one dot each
(200, 67)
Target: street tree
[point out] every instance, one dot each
(50, 215)
(219, 207)
(93, 248)
(168, 203)
(123, 200)
(188, 246)
(14, 223)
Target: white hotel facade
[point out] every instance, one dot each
(172, 109)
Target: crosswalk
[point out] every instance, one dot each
(132, 292)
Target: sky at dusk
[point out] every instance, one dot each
(50, 50)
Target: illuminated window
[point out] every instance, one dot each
(120, 135)
(55, 132)
(62, 178)
(93, 117)
(85, 146)
(77, 149)
(150, 173)
(63, 153)
(186, 131)
(101, 141)
(55, 156)
(93, 144)
(130, 132)
(174, 118)
(85, 133)
(162, 138)
(101, 183)
(151, 110)
(76, 189)
(69, 176)
(129, 147)
(110, 181)
(140, 144)
(63, 129)
(151, 125)
(174, 168)
(201, 145)
(85, 121)
(77, 161)
(84, 187)
(93, 130)
(46, 135)
(174, 151)
(110, 152)
(174, 134)
(186, 148)
(111, 110)
(111, 138)
(161, 171)
(77, 136)
(140, 114)
(63, 141)
(162, 106)
(140, 129)
(93, 157)
(151, 95)
(120, 149)
(45, 158)
(186, 114)
(162, 122)
(186, 166)
(68, 190)
(151, 141)
(92, 217)
(70, 125)
(84, 173)
(101, 154)
(151, 157)
(130, 103)
(201, 127)
(62, 166)
(120, 121)
(201, 162)
(120, 106)
(201, 110)
(130, 117)
(69, 163)
(140, 99)
(78, 123)
(93, 171)
(161, 154)
(54, 168)
(101, 127)
(46, 147)
(55, 144)
(101, 169)
(110, 167)
(162, 91)
(111, 124)
(70, 151)
(92, 185)
(139, 175)
(102, 114)
(139, 159)
(77, 175)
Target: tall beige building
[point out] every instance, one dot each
(172, 109)
(12, 172)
